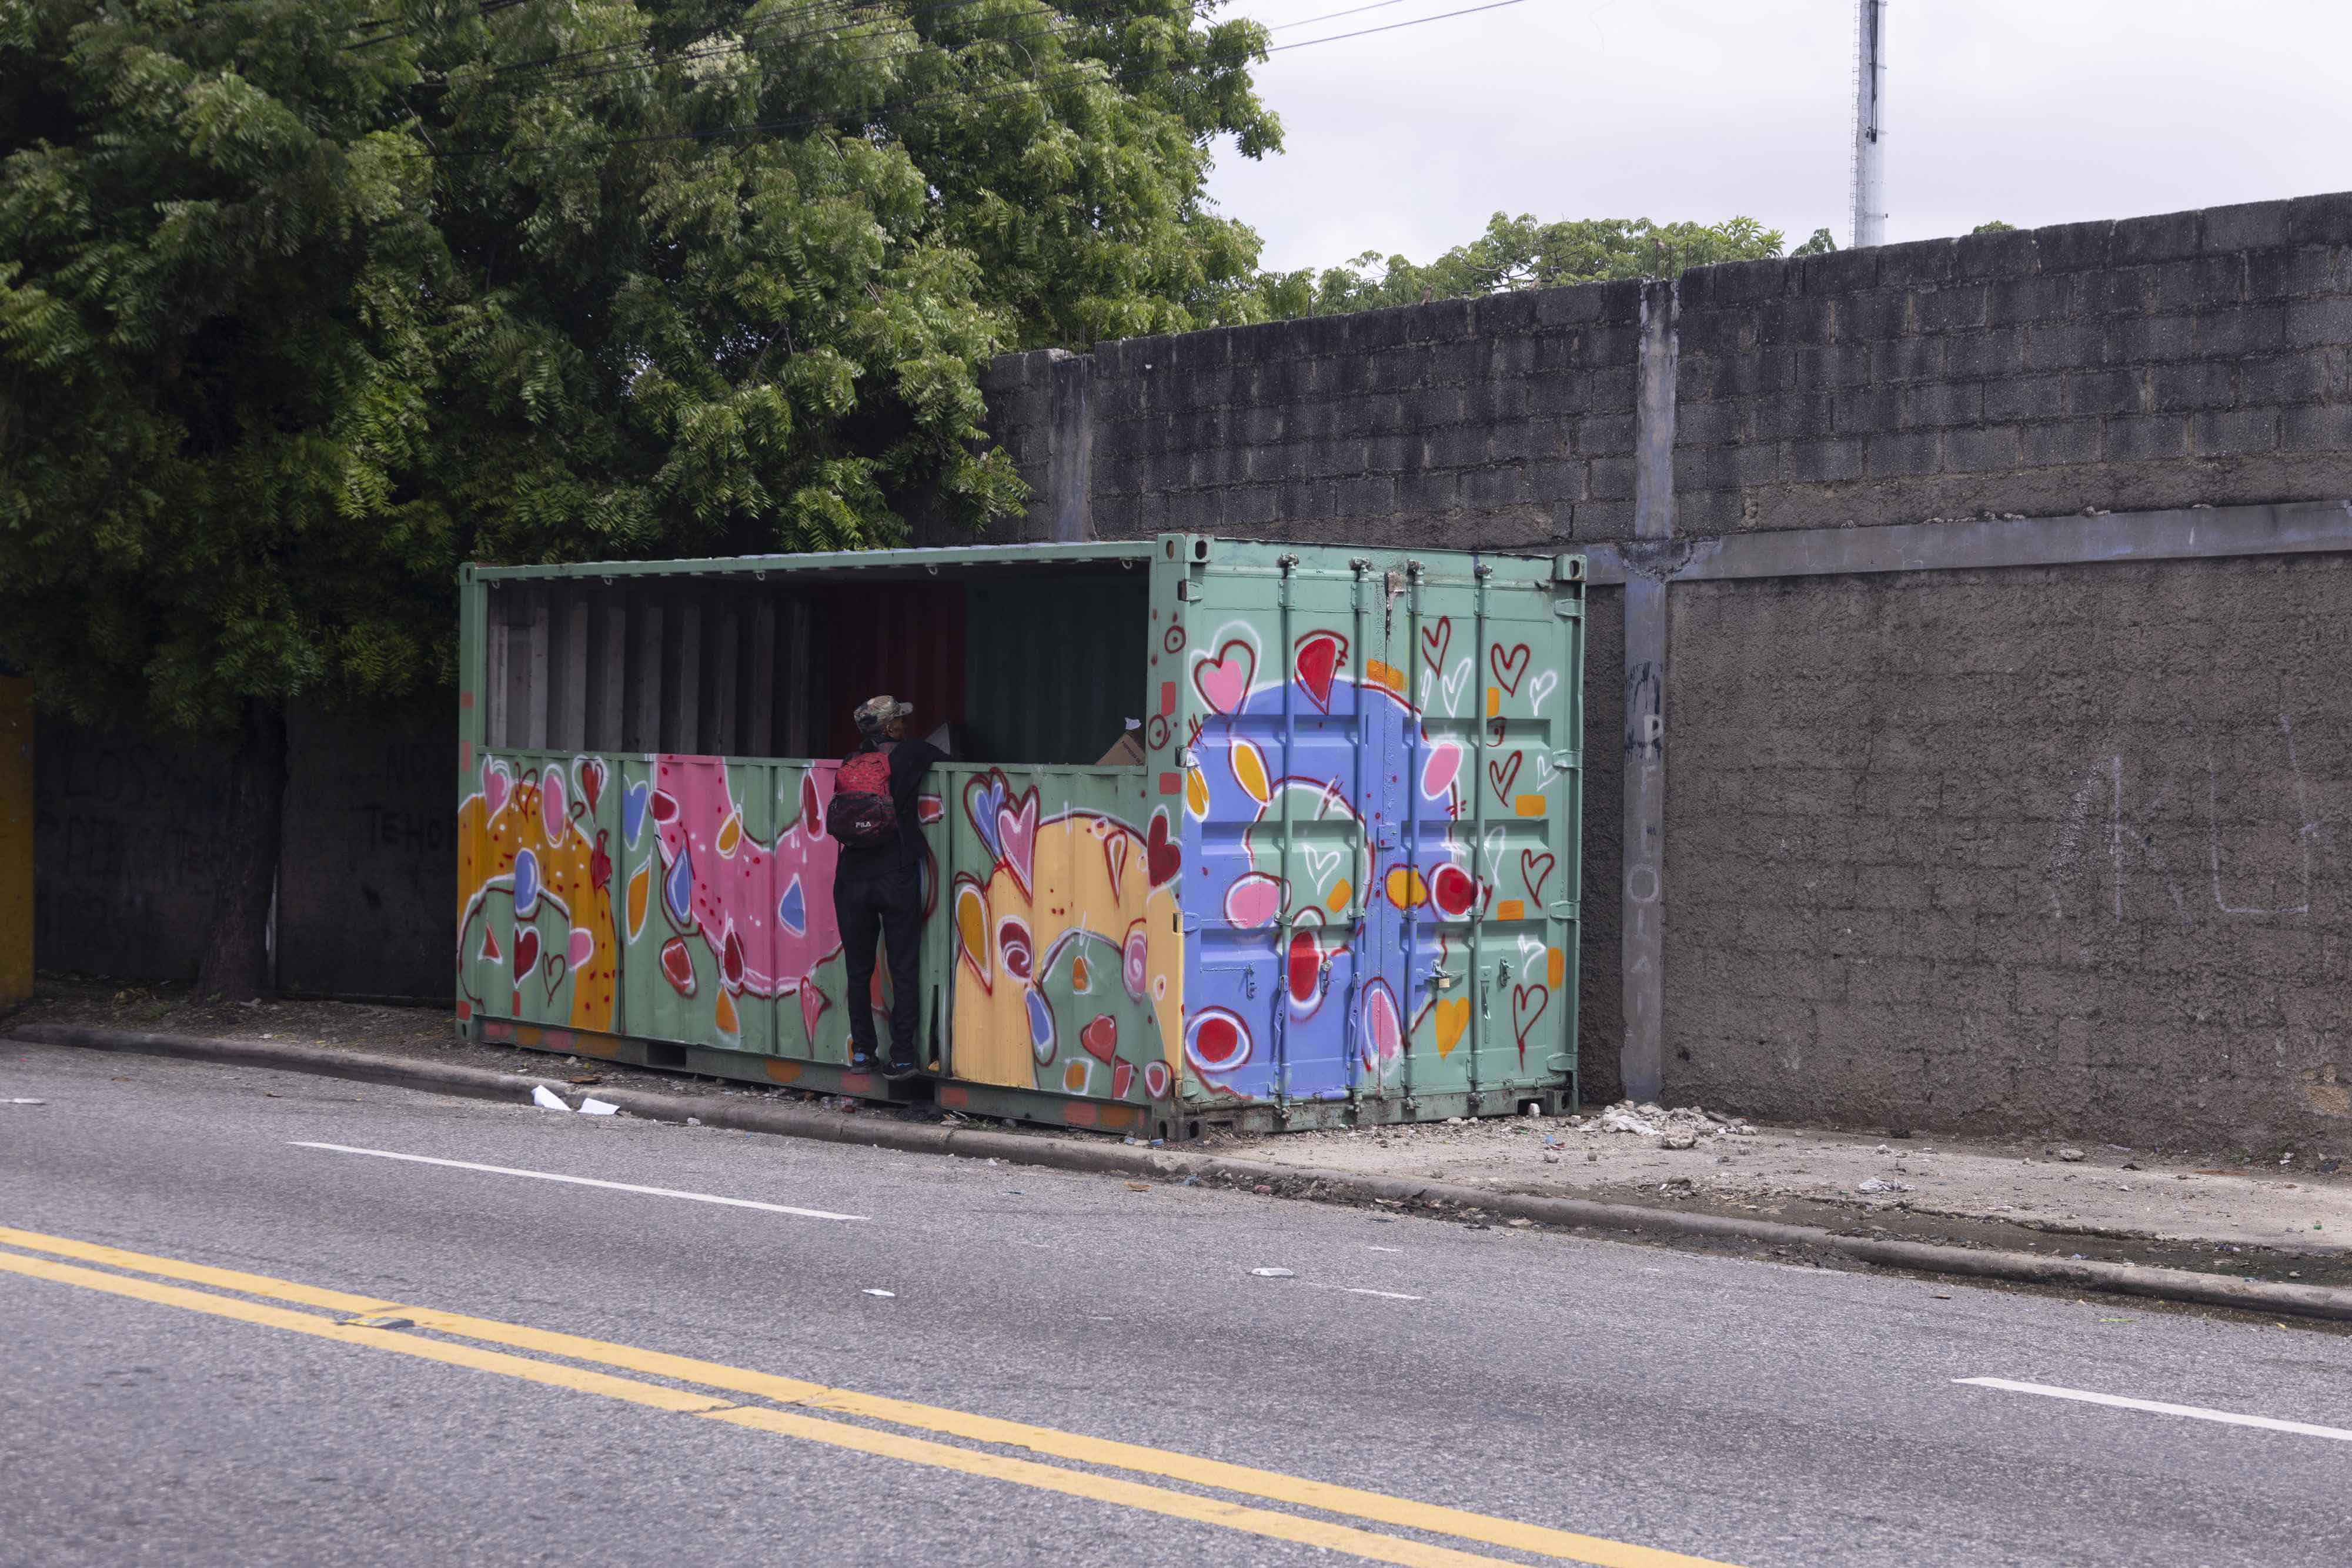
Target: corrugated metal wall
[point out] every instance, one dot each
(1057, 665)
(1035, 667)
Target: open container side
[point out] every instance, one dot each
(1330, 879)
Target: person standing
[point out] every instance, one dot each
(877, 881)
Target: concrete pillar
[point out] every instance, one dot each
(1642, 1057)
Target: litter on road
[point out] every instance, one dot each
(1274, 1273)
(547, 1099)
(869, 1291)
(594, 1107)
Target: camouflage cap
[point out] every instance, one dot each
(876, 712)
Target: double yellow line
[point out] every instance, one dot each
(1265, 1484)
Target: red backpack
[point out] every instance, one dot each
(861, 814)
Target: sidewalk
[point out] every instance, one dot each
(2291, 1215)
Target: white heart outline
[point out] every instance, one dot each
(1451, 688)
(1542, 686)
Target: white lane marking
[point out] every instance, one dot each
(585, 1181)
(1361, 1290)
(2228, 1418)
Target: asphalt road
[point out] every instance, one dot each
(1739, 1412)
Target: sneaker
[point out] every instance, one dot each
(901, 1066)
(862, 1060)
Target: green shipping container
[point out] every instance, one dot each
(1339, 886)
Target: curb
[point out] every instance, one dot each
(2322, 1301)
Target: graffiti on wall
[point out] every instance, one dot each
(1069, 964)
(533, 865)
(1336, 890)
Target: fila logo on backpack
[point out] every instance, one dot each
(861, 813)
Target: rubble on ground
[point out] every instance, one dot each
(1682, 1127)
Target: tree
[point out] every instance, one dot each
(1517, 253)
(1995, 226)
(1820, 243)
(303, 302)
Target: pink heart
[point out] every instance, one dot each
(1224, 681)
(1016, 839)
(496, 782)
(552, 804)
(581, 944)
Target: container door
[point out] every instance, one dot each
(1278, 777)
(1524, 940)
(1487, 891)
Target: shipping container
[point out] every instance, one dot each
(1235, 834)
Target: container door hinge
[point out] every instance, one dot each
(1563, 909)
(1567, 761)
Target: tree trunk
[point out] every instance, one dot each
(236, 959)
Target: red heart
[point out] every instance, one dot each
(591, 781)
(1100, 1038)
(1165, 859)
(1306, 966)
(1535, 870)
(600, 864)
(1321, 655)
(1503, 777)
(1510, 668)
(730, 960)
(1122, 1076)
(678, 965)
(1524, 1016)
(526, 951)
(1435, 640)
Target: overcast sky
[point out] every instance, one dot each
(2036, 111)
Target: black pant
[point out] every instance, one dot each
(888, 902)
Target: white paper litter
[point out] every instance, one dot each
(873, 1292)
(1275, 1273)
(28, 1102)
(547, 1099)
(594, 1107)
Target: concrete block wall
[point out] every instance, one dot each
(2193, 358)
(1878, 785)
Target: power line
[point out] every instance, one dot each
(1335, 15)
(1088, 68)
(1392, 27)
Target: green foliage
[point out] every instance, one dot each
(1517, 253)
(302, 302)
(1995, 228)
(1820, 243)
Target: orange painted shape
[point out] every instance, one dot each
(529, 1034)
(1530, 805)
(1453, 1018)
(1386, 675)
(1114, 1117)
(1494, 701)
(1511, 909)
(954, 1098)
(1406, 889)
(789, 1072)
(724, 1015)
(1341, 891)
(1557, 967)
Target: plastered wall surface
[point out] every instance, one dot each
(2048, 847)
(126, 826)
